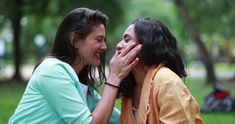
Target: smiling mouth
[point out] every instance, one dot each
(98, 55)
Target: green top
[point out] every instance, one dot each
(54, 95)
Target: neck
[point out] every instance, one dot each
(78, 66)
(139, 72)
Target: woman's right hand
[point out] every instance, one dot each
(122, 62)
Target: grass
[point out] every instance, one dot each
(219, 67)
(199, 90)
(10, 95)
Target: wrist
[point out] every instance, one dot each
(110, 90)
(111, 85)
(113, 80)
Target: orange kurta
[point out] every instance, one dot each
(164, 100)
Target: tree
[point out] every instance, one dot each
(15, 10)
(205, 57)
(15, 15)
(215, 20)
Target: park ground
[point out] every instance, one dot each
(11, 92)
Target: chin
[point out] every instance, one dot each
(96, 63)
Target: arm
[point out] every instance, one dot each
(120, 66)
(60, 91)
(95, 98)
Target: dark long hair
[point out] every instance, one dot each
(80, 21)
(158, 46)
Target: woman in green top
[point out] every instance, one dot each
(61, 89)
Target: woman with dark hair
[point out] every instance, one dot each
(62, 87)
(153, 92)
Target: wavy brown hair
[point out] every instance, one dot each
(158, 46)
(81, 21)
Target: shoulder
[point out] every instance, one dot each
(54, 63)
(165, 75)
(52, 67)
(166, 80)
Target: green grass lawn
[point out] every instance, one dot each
(11, 94)
(199, 90)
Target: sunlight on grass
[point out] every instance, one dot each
(219, 67)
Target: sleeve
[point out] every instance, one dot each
(61, 93)
(115, 117)
(176, 104)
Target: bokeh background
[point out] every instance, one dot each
(204, 30)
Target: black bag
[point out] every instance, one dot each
(219, 101)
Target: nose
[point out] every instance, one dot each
(119, 46)
(103, 46)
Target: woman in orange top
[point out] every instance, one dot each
(153, 93)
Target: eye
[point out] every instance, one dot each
(126, 40)
(99, 40)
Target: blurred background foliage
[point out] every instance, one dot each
(28, 27)
(204, 30)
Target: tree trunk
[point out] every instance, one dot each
(211, 78)
(228, 51)
(16, 44)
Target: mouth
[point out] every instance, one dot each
(119, 51)
(97, 56)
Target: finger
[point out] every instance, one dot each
(133, 63)
(116, 53)
(127, 49)
(133, 53)
(114, 57)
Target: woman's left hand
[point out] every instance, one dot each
(122, 63)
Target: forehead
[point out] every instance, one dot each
(129, 31)
(98, 27)
(98, 30)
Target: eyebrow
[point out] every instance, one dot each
(125, 36)
(100, 36)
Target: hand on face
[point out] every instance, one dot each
(122, 62)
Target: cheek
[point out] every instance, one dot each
(133, 41)
(120, 44)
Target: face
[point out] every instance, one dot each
(129, 37)
(91, 48)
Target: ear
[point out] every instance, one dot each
(73, 39)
